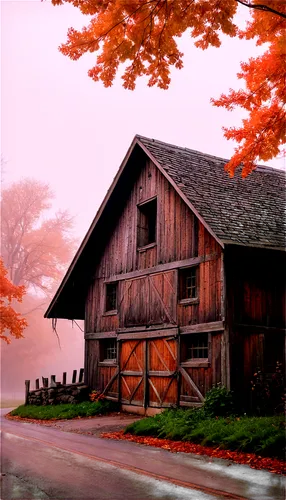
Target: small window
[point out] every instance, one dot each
(111, 297)
(147, 223)
(194, 347)
(108, 349)
(188, 283)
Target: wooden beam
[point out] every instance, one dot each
(148, 334)
(131, 373)
(191, 383)
(161, 373)
(258, 328)
(100, 335)
(214, 326)
(162, 267)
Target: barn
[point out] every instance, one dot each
(180, 279)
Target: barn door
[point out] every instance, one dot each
(132, 369)
(149, 300)
(162, 372)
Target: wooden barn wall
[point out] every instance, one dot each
(176, 240)
(256, 303)
(204, 377)
(256, 281)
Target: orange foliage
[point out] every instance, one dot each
(144, 34)
(256, 462)
(10, 320)
(263, 132)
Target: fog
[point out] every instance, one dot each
(61, 128)
(41, 353)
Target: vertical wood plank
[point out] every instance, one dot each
(74, 374)
(27, 390)
(81, 373)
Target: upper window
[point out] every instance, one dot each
(194, 347)
(111, 297)
(188, 283)
(147, 223)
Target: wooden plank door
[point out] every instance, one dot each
(132, 369)
(162, 380)
(149, 300)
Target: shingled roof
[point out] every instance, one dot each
(237, 211)
(248, 211)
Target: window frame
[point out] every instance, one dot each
(182, 299)
(110, 312)
(140, 211)
(196, 362)
(104, 361)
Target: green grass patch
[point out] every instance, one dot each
(55, 412)
(264, 436)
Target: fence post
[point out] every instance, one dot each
(37, 383)
(27, 390)
(64, 378)
(53, 380)
(74, 373)
(80, 379)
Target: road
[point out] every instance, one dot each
(39, 462)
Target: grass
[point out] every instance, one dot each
(55, 412)
(264, 436)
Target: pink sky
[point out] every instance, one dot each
(61, 127)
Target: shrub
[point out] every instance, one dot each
(262, 435)
(219, 402)
(268, 393)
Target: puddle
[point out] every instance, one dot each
(163, 490)
(260, 485)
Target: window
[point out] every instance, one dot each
(188, 283)
(111, 297)
(147, 223)
(108, 349)
(195, 347)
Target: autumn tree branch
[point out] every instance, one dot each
(262, 7)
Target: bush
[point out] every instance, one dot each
(262, 435)
(268, 393)
(219, 402)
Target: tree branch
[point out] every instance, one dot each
(265, 8)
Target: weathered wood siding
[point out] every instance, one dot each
(203, 377)
(256, 302)
(153, 299)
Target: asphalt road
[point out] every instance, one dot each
(44, 463)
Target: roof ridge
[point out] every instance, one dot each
(259, 168)
(180, 148)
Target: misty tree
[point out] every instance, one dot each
(36, 247)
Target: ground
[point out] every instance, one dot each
(63, 464)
